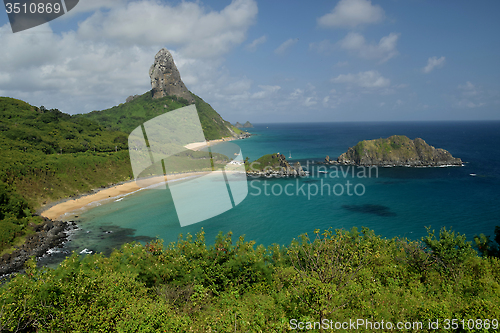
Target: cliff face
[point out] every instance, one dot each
(166, 79)
(397, 150)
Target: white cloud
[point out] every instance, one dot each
(108, 56)
(287, 44)
(368, 79)
(310, 101)
(351, 13)
(253, 45)
(297, 93)
(198, 31)
(384, 50)
(266, 91)
(434, 62)
(470, 96)
(468, 89)
(324, 46)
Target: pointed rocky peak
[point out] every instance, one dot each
(166, 79)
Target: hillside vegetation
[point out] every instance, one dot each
(188, 286)
(266, 162)
(48, 155)
(127, 116)
(397, 150)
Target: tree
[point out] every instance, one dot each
(486, 246)
(325, 268)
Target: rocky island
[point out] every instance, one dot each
(274, 165)
(397, 150)
(245, 125)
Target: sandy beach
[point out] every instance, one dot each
(55, 212)
(203, 144)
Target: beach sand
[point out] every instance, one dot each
(55, 212)
(202, 144)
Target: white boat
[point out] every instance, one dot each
(290, 154)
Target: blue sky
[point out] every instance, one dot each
(268, 61)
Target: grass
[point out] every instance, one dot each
(127, 116)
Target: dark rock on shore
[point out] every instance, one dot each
(397, 150)
(49, 234)
(275, 165)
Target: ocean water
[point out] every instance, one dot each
(393, 202)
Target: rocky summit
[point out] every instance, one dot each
(166, 79)
(397, 150)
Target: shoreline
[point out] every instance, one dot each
(68, 205)
(56, 209)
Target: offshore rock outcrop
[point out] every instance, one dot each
(275, 165)
(166, 79)
(245, 125)
(397, 150)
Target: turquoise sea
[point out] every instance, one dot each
(399, 202)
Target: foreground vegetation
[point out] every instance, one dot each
(237, 287)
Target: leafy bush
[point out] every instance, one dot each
(226, 287)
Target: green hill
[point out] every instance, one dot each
(48, 155)
(127, 116)
(397, 150)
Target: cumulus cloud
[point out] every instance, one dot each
(434, 62)
(305, 97)
(368, 79)
(286, 45)
(198, 32)
(469, 96)
(325, 46)
(468, 89)
(253, 45)
(266, 91)
(351, 13)
(384, 50)
(107, 57)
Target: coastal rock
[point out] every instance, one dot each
(166, 79)
(327, 159)
(47, 235)
(397, 150)
(275, 165)
(131, 98)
